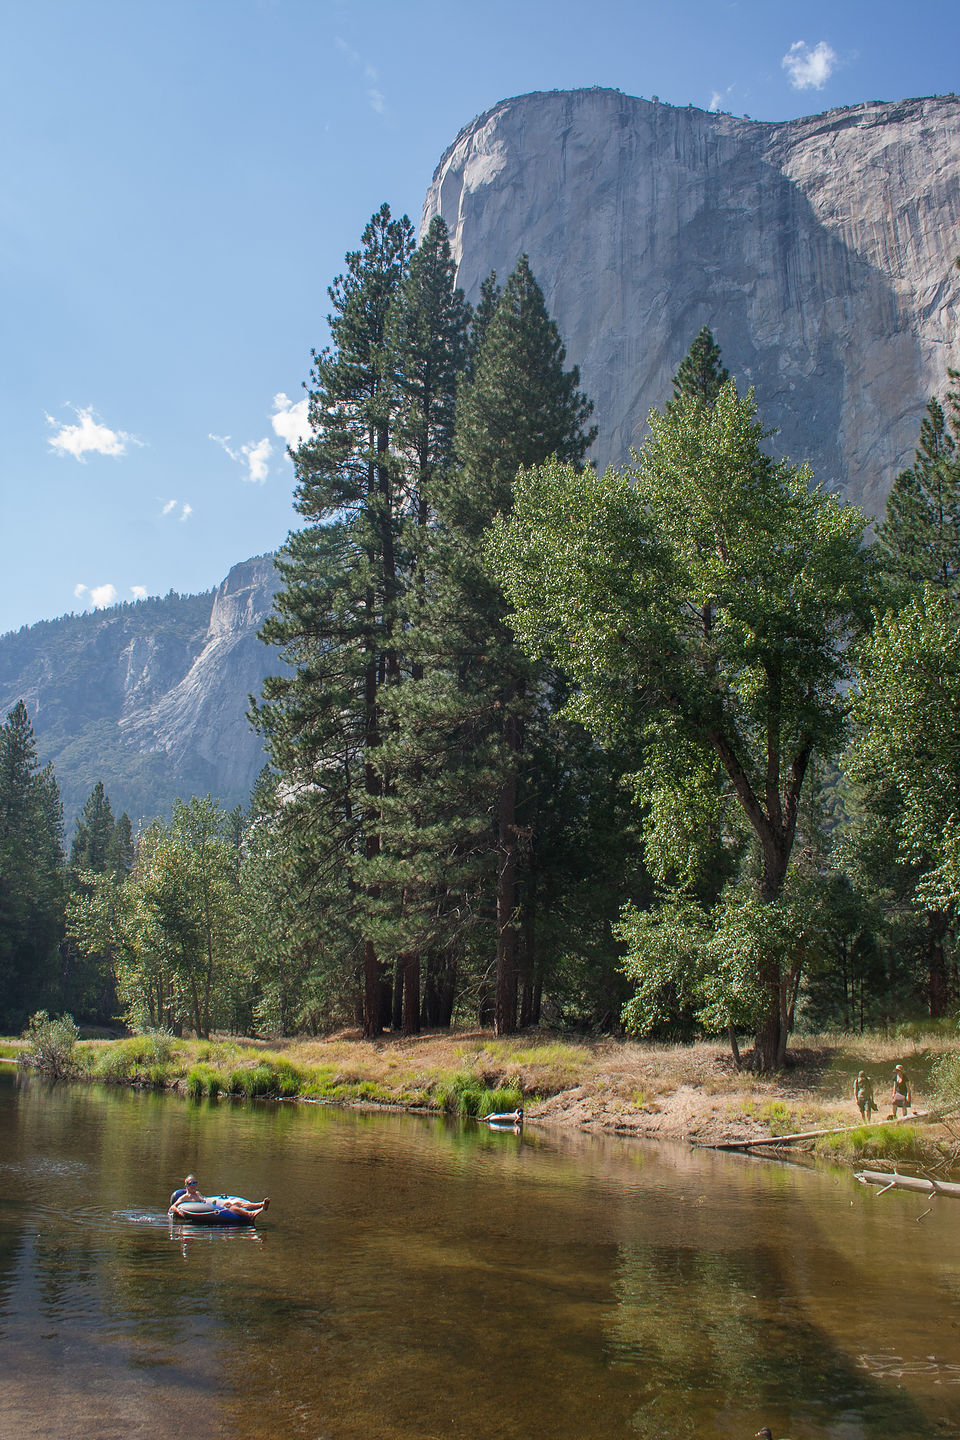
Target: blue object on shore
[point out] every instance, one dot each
(206, 1212)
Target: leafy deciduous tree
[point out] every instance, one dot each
(708, 598)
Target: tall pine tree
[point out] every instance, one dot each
(919, 539)
(701, 373)
(518, 407)
(31, 874)
(337, 616)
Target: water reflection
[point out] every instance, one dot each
(417, 1279)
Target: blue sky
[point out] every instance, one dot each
(181, 181)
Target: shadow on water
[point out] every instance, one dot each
(418, 1278)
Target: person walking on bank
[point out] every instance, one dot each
(863, 1094)
(901, 1099)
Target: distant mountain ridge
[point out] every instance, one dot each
(148, 697)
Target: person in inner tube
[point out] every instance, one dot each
(242, 1207)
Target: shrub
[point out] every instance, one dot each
(50, 1045)
(945, 1078)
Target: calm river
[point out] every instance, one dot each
(416, 1280)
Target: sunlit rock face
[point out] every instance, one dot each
(202, 718)
(819, 251)
(151, 698)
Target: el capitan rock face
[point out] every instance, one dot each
(819, 251)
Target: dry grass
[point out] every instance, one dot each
(678, 1092)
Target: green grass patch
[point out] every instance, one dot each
(203, 1079)
(271, 1077)
(873, 1142)
(147, 1059)
(467, 1096)
(780, 1120)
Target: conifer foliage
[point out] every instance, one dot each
(31, 873)
(405, 702)
(919, 539)
(700, 374)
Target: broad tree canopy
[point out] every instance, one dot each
(704, 603)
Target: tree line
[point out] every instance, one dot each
(669, 748)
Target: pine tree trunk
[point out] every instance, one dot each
(396, 997)
(505, 1002)
(372, 1021)
(448, 990)
(411, 992)
(529, 961)
(430, 1005)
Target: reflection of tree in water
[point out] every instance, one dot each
(719, 1332)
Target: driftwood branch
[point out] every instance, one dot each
(907, 1182)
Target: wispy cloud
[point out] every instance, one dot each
(89, 436)
(100, 595)
(718, 98)
(809, 69)
(169, 506)
(255, 457)
(139, 592)
(374, 95)
(185, 513)
(289, 419)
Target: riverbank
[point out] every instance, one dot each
(691, 1093)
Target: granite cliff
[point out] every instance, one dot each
(819, 251)
(150, 698)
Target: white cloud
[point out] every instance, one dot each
(89, 436)
(169, 506)
(375, 97)
(715, 99)
(347, 50)
(139, 592)
(100, 595)
(289, 419)
(809, 69)
(257, 456)
(254, 456)
(186, 512)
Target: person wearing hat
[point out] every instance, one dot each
(863, 1094)
(251, 1208)
(901, 1099)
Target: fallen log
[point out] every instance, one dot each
(922, 1117)
(887, 1181)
